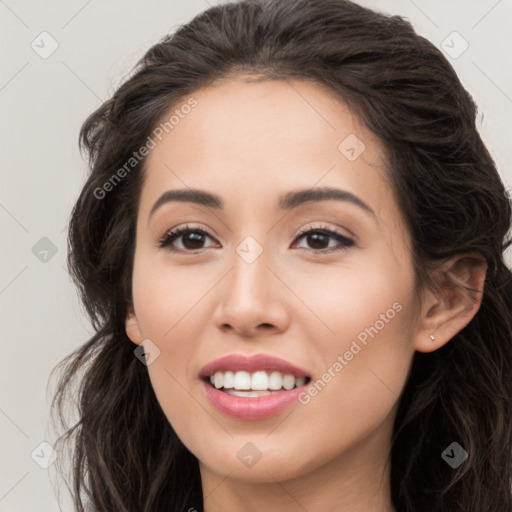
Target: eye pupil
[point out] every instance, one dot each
(196, 240)
(314, 237)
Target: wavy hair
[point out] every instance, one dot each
(125, 454)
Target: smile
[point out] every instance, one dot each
(252, 388)
(259, 383)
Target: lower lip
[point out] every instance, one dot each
(251, 408)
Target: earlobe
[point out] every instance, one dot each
(460, 284)
(132, 327)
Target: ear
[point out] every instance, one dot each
(132, 327)
(459, 284)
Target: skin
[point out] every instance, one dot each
(249, 141)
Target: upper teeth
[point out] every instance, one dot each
(256, 381)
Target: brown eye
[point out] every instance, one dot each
(192, 239)
(319, 238)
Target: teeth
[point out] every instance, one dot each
(300, 381)
(288, 382)
(260, 382)
(218, 380)
(275, 380)
(248, 393)
(229, 380)
(242, 380)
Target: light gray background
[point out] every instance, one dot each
(45, 101)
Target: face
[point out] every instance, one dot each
(325, 285)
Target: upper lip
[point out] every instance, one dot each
(239, 362)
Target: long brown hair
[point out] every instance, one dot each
(126, 455)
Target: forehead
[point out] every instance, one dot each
(262, 138)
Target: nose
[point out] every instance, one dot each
(251, 299)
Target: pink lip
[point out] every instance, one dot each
(251, 408)
(238, 362)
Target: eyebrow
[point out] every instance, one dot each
(287, 201)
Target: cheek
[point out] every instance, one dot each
(167, 321)
(170, 310)
(167, 296)
(363, 298)
(365, 346)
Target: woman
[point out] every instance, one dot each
(291, 249)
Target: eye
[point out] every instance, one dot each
(320, 235)
(192, 239)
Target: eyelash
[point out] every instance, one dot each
(170, 236)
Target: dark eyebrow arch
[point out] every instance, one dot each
(299, 197)
(188, 195)
(287, 201)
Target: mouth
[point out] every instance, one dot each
(256, 384)
(252, 387)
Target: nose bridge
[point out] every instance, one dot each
(247, 296)
(250, 276)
